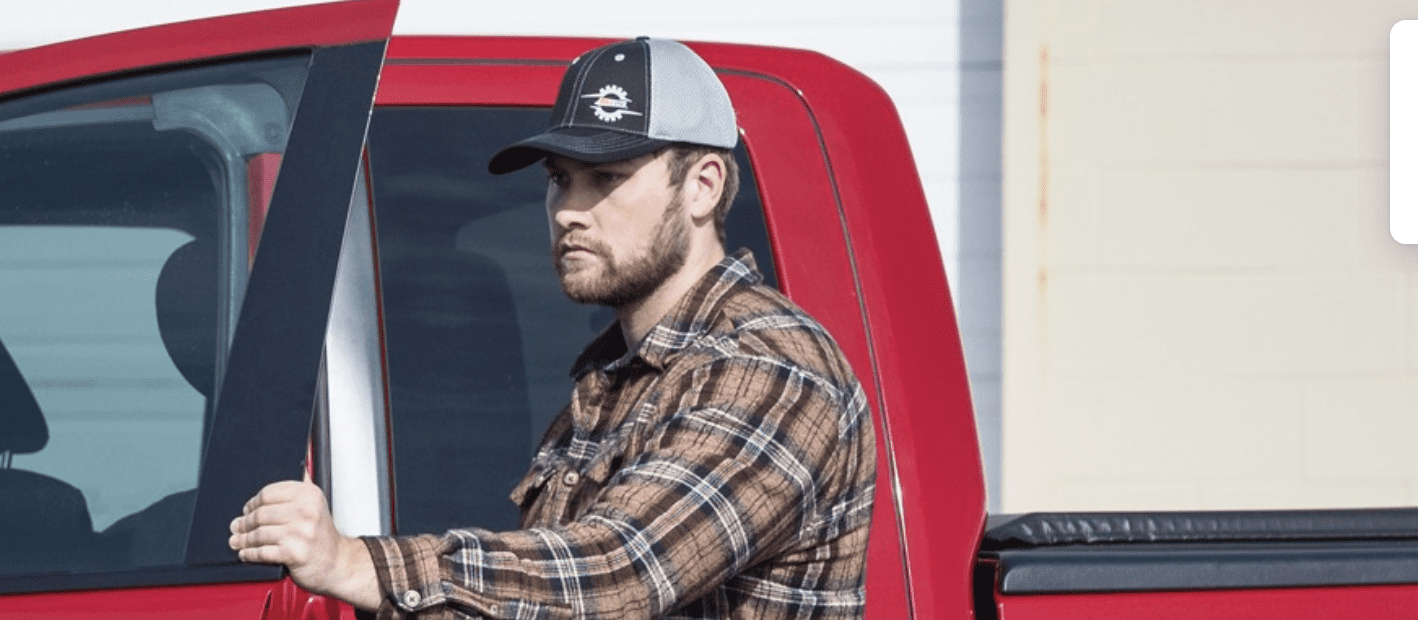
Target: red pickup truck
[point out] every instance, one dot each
(156, 368)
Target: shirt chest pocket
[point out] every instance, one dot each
(531, 490)
(584, 487)
(559, 491)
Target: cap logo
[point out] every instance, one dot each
(611, 103)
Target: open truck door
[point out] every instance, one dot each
(156, 369)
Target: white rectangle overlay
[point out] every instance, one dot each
(1403, 132)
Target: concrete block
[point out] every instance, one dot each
(1295, 111)
(1231, 496)
(1104, 495)
(1224, 326)
(1361, 430)
(1314, 28)
(1371, 247)
(1228, 218)
(1130, 28)
(1066, 227)
(1409, 330)
(1218, 28)
(1180, 431)
(1127, 112)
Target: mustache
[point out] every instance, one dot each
(568, 241)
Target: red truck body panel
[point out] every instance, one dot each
(297, 27)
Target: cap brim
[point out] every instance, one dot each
(595, 146)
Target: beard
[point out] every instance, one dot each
(620, 283)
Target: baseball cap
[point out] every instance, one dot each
(627, 99)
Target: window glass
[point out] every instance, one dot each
(129, 211)
(480, 337)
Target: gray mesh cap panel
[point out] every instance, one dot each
(627, 99)
(690, 103)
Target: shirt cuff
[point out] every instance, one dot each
(409, 578)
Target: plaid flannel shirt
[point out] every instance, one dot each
(724, 470)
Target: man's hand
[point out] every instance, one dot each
(289, 523)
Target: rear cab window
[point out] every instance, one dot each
(479, 336)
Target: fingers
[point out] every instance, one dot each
(289, 523)
(282, 492)
(270, 515)
(262, 555)
(273, 544)
(279, 523)
(262, 549)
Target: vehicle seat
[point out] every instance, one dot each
(186, 307)
(187, 313)
(44, 521)
(458, 389)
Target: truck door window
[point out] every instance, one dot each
(480, 337)
(126, 227)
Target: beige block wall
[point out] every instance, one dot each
(1203, 308)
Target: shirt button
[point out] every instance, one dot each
(412, 598)
(571, 478)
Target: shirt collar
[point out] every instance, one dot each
(691, 317)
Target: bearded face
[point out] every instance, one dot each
(616, 280)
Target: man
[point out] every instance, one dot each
(717, 457)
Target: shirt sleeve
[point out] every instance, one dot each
(738, 469)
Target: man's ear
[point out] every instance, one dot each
(706, 185)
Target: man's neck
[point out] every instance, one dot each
(637, 318)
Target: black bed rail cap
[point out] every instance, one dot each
(1042, 529)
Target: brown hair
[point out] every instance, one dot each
(685, 155)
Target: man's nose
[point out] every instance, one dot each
(570, 208)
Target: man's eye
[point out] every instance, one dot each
(608, 177)
(557, 178)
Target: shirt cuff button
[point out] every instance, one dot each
(570, 478)
(412, 598)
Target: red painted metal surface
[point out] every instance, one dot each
(261, 172)
(245, 600)
(915, 342)
(1276, 604)
(298, 27)
(815, 270)
(289, 602)
(485, 50)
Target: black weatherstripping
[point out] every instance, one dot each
(140, 578)
(1118, 552)
(267, 396)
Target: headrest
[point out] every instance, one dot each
(187, 312)
(22, 427)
